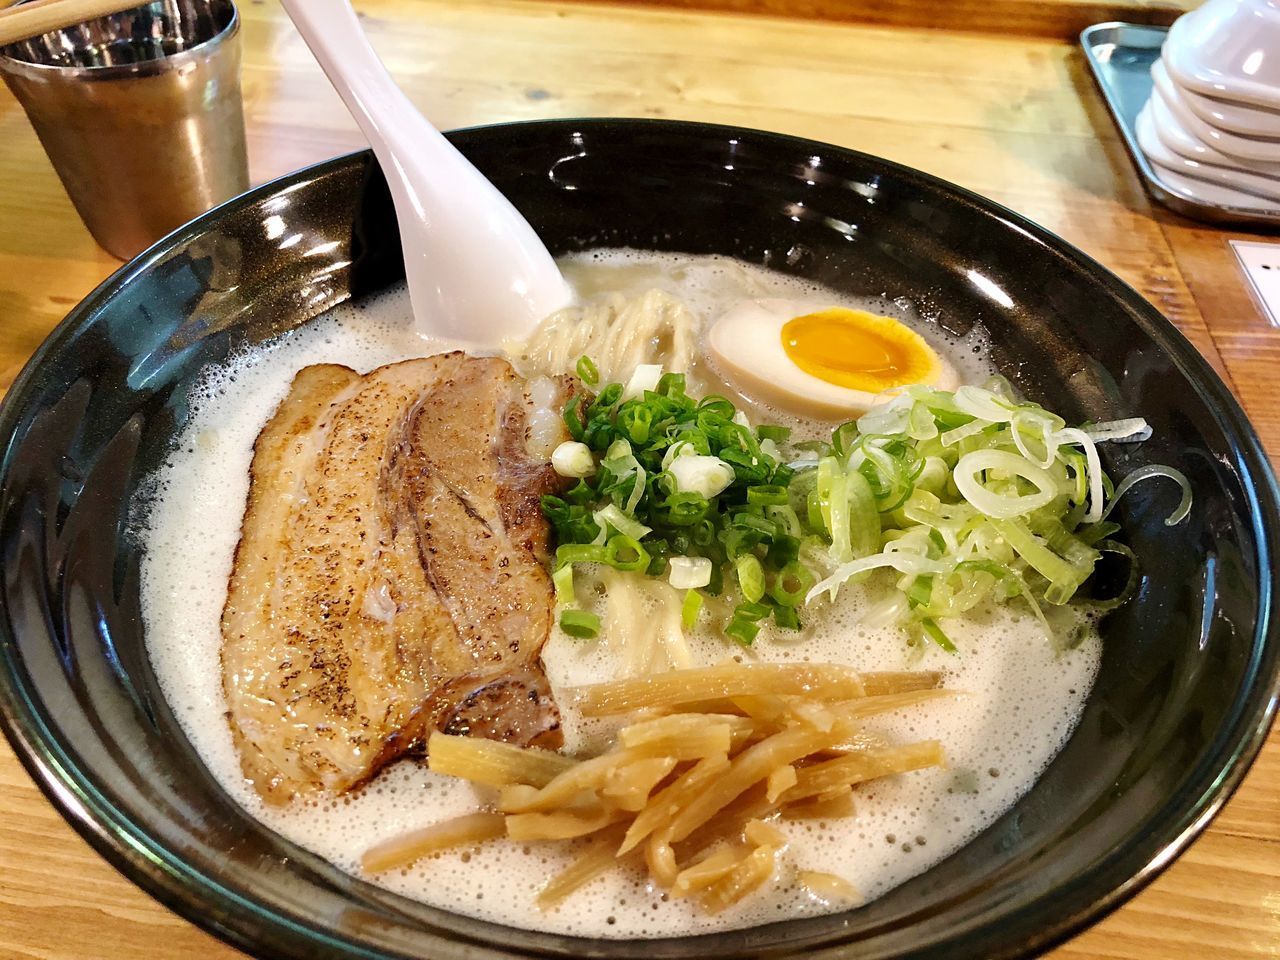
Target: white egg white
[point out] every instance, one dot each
(745, 345)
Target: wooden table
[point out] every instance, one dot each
(1015, 118)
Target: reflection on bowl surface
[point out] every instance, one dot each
(1180, 706)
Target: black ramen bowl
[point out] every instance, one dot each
(1186, 688)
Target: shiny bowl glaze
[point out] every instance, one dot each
(1189, 673)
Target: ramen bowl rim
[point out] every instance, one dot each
(234, 916)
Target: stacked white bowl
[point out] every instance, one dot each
(1211, 129)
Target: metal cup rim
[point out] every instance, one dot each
(142, 68)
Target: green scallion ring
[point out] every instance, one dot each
(581, 553)
(750, 577)
(743, 631)
(580, 624)
(625, 553)
(767, 495)
(751, 610)
(588, 372)
(792, 584)
(786, 618)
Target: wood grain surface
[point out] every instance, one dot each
(1014, 118)
(1059, 19)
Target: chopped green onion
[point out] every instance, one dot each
(605, 401)
(750, 577)
(581, 553)
(1131, 430)
(1003, 505)
(690, 608)
(573, 459)
(688, 573)
(864, 518)
(791, 584)
(1131, 579)
(588, 372)
(703, 533)
(671, 385)
(645, 378)
(744, 520)
(967, 495)
(580, 494)
(786, 618)
(751, 610)
(707, 476)
(813, 510)
(1095, 532)
(659, 551)
(785, 519)
(738, 541)
(680, 487)
(1146, 473)
(783, 550)
(934, 632)
(767, 494)
(743, 631)
(1064, 576)
(562, 579)
(1097, 491)
(920, 591)
(580, 624)
(625, 553)
(636, 423)
(685, 509)
(572, 420)
(610, 514)
(715, 404)
(843, 438)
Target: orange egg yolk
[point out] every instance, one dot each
(858, 350)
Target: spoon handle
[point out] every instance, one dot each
(477, 272)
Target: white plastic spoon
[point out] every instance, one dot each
(477, 272)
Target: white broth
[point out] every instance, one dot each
(1021, 698)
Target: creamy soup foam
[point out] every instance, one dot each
(1021, 698)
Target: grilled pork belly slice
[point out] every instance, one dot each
(390, 575)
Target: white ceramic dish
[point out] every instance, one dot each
(1233, 117)
(1201, 191)
(1120, 55)
(1236, 147)
(1251, 188)
(1229, 49)
(1178, 139)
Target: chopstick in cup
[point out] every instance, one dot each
(42, 16)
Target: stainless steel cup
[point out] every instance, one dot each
(140, 113)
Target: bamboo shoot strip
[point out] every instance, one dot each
(824, 682)
(494, 763)
(407, 847)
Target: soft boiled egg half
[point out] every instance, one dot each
(828, 362)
